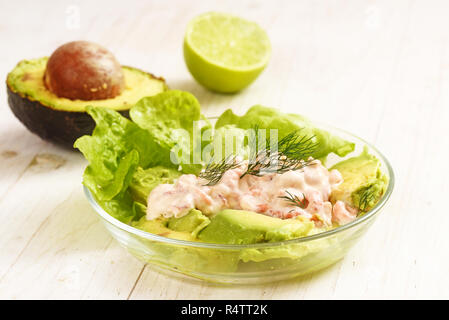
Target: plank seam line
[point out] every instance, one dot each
(135, 283)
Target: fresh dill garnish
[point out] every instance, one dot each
(295, 146)
(269, 162)
(366, 197)
(295, 200)
(292, 152)
(214, 170)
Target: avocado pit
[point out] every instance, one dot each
(82, 70)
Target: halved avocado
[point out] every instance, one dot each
(62, 120)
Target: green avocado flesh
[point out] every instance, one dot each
(227, 227)
(193, 222)
(145, 180)
(26, 79)
(363, 181)
(245, 227)
(159, 227)
(183, 228)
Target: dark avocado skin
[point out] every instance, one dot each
(60, 127)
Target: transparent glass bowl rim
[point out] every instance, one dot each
(153, 237)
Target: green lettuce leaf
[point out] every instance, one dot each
(172, 118)
(162, 113)
(122, 207)
(115, 149)
(228, 141)
(270, 118)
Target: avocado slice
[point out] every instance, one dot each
(246, 227)
(145, 180)
(62, 120)
(185, 258)
(159, 227)
(193, 222)
(363, 181)
(183, 228)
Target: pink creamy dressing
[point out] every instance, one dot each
(252, 193)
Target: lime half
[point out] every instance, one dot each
(225, 53)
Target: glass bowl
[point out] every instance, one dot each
(254, 263)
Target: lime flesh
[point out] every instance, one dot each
(225, 53)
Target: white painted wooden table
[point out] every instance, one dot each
(379, 69)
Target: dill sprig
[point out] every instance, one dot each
(295, 146)
(268, 162)
(295, 200)
(291, 153)
(214, 170)
(366, 197)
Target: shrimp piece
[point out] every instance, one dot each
(315, 200)
(166, 200)
(326, 214)
(335, 178)
(343, 213)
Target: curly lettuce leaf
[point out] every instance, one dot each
(162, 113)
(172, 118)
(122, 207)
(270, 118)
(115, 149)
(229, 141)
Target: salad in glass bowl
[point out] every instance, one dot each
(252, 198)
